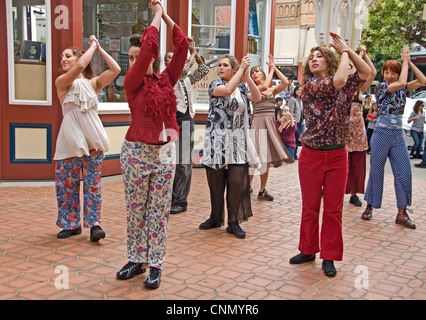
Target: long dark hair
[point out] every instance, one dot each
(135, 41)
(417, 105)
(297, 87)
(88, 71)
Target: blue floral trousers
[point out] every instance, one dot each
(67, 179)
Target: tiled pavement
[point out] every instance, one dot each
(382, 260)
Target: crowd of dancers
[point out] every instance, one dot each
(243, 139)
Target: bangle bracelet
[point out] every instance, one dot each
(344, 51)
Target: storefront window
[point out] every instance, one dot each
(212, 32)
(29, 52)
(255, 31)
(113, 22)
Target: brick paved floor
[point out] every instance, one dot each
(211, 264)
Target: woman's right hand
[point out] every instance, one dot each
(405, 54)
(271, 62)
(245, 63)
(245, 67)
(156, 7)
(93, 42)
(339, 44)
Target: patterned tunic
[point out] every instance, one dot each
(327, 111)
(390, 106)
(357, 140)
(225, 141)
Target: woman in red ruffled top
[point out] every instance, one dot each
(148, 151)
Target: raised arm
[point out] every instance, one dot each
(149, 51)
(231, 85)
(284, 81)
(373, 73)
(254, 94)
(341, 75)
(421, 79)
(65, 80)
(109, 75)
(267, 83)
(403, 76)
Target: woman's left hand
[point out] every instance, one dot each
(339, 44)
(93, 41)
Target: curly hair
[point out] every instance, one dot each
(330, 58)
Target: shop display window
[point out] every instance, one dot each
(256, 25)
(29, 53)
(213, 29)
(113, 22)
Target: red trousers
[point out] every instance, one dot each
(356, 172)
(328, 171)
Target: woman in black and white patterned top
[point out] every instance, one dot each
(228, 149)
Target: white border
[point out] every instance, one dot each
(11, 58)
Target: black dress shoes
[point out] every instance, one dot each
(235, 228)
(209, 224)
(130, 270)
(153, 280)
(302, 258)
(328, 267)
(68, 233)
(96, 233)
(177, 208)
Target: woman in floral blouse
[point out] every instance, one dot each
(323, 163)
(228, 148)
(358, 143)
(388, 142)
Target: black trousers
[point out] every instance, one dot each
(235, 179)
(183, 174)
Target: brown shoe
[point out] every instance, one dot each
(264, 195)
(405, 220)
(367, 214)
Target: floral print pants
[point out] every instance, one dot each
(67, 180)
(148, 173)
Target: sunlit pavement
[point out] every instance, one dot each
(381, 260)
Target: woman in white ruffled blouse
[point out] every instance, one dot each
(81, 141)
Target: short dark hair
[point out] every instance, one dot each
(135, 41)
(278, 99)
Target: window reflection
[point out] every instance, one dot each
(29, 49)
(113, 22)
(211, 31)
(211, 27)
(255, 31)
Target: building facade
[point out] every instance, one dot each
(35, 32)
(294, 34)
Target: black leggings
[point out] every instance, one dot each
(236, 180)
